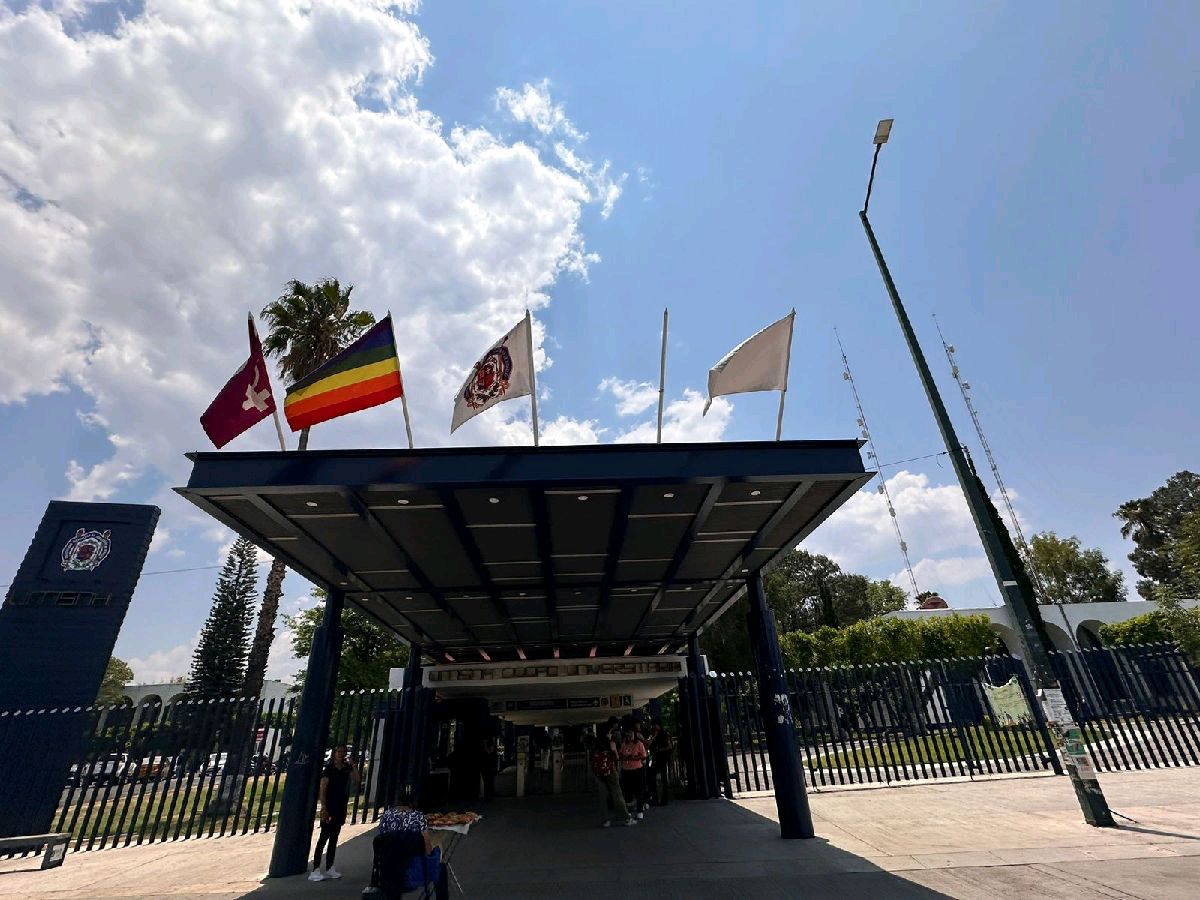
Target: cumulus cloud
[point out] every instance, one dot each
(163, 665)
(937, 526)
(161, 179)
(533, 105)
(632, 397)
(684, 421)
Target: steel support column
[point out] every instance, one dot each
(703, 775)
(795, 819)
(297, 809)
(413, 732)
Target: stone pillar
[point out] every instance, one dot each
(297, 809)
(795, 819)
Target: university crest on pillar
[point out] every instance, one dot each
(86, 550)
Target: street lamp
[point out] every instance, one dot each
(1006, 564)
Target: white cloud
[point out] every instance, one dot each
(945, 574)
(633, 397)
(163, 665)
(684, 422)
(937, 527)
(161, 180)
(533, 105)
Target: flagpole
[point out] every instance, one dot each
(662, 376)
(407, 422)
(532, 373)
(275, 409)
(786, 370)
(403, 390)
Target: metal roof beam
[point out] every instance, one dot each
(458, 523)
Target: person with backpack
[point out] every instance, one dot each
(633, 762)
(604, 767)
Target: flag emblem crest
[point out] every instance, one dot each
(86, 550)
(490, 379)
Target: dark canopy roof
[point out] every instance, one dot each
(500, 552)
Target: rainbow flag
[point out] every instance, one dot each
(365, 374)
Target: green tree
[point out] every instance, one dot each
(307, 325)
(1071, 574)
(112, 687)
(368, 650)
(891, 641)
(1154, 524)
(805, 591)
(219, 662)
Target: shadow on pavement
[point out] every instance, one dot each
(547, 847)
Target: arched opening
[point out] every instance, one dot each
(1011, 642)
(1088, 634)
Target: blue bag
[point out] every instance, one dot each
(423, 870)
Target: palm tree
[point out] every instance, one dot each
(306, 327)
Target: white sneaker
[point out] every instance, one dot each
(332, 873)
(315, 875)
(641, 816)
(606, 824)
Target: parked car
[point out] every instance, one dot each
(216, 763)
(151, 768)
(109, 768)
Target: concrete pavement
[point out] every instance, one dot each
(998, 838)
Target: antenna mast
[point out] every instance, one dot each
(1022, 544)
(872, 454)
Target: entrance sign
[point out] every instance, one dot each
(58, 625)
(574, 669)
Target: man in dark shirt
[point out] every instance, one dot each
(334, 799)
(662, 746)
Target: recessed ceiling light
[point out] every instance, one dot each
(408, 598)
(493, 499)
(310, 503)
(522, 593)
(755, 493)
(581, 497)
(343, 583)
(402, 502)
(669, 495)
(745, 570)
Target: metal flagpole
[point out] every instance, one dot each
(403, 391)
(786, 370)
(532, 373)
(662, 376)
(275, 406)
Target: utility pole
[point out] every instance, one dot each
(1006, 564)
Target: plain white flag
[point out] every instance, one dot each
(759, 363)
(504, 372)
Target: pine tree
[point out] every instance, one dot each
(219, 663)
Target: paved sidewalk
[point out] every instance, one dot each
(990, 839)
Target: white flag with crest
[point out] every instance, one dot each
(504, 372)
(759, 363)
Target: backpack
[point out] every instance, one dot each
(602, 763)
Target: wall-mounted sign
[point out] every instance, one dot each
(612, 701)
(505, 672)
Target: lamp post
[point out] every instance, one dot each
(1006, 565)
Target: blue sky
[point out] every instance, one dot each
(1039, 194)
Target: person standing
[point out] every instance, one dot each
(633, 760)
(334, 800)
(488, 766)
(662, 748)
(605, 757)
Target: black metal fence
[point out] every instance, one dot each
(888, 722)
(202, 768)
(1139, 706)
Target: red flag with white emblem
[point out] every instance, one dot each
(245, 400)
